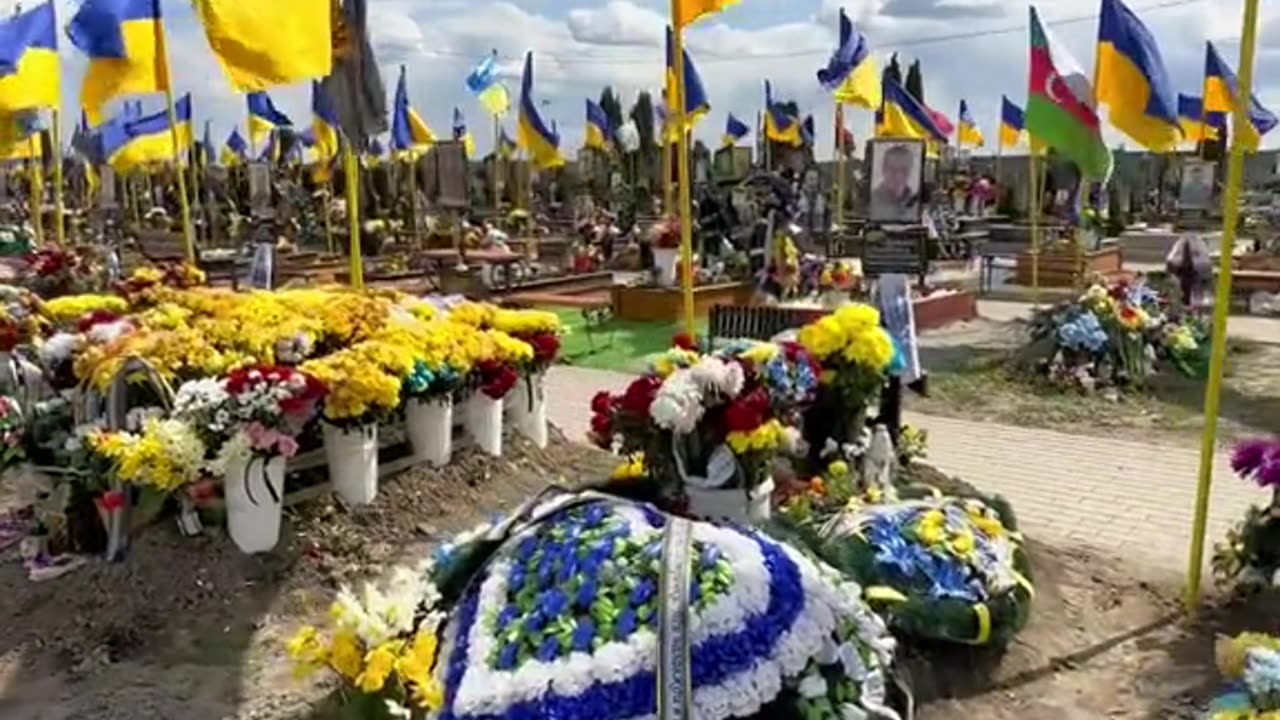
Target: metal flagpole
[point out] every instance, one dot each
(59, 208)
(682, 170)
(37, 187)
(1222, 300)
(188, 235)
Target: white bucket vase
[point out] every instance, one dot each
(484, 423)
(429, 424)
(736, 505)
(528, 410)
(664, 263)
(254, 488)
(352, 454)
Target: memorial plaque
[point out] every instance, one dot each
(884, 253)
(731, 164)
(262, 267)
(451, 174)
(106, 187)
(260, 189)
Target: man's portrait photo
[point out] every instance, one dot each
(896, 169)
(1196, 192)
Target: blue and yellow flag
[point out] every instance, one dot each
(324, 123)
(902, 116)
(1220, 89)
(149, 139)
(967, 132)
(461, 134)
(778, 125)
(852, 75)
(1132, 81)
(1012, 123)
(409, 132)
(124, 40)
(598, 135)
(29, 76)
(206, 144)
(20, 137)
(807, 131)
(689, 11)
(734, 130)
(506, 146)
(482, 81)
(532, 134)
(1192, 118)
(264, 44)
(695, 96)
(264, 117)
(236, 150)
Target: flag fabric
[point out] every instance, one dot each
(206, 145)
(133, 109)
(271, 151)
(779, 126)
(461, 134)
(506, 146)
(29, 74)
(967, 133)
(236, 149)
(902, 116)
(532, 134)
(148, 139)
(852, 75)
(689, 11)
(355, 85)
(1012, 123)
(1221, 86)
(734, 130)
(1191, 117)
(324, 123)
(264, 44)
(807, 131)
(695, 96)
(940, 121)
(598, 134)
(482, 81)
(264, 117)
(1060, 105)
(409, 133)
(84, 141)
(124, 40)
(1132, 80)
(20, 136)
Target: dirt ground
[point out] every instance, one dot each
(971, 377)
(193, 630)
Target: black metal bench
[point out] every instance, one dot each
(752, 322)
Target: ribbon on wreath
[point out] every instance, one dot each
(675, 685)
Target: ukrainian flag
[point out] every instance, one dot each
(688, 11)
(734, 130)
(148, 140)
(206, 145)
(29, 76)
(695, 97)
(1192, 119)
(408, 130)
(597, 131)
(778, 125)
(124, 40)
(1012, 123)
(968, 133)
(1220, 89)
(902, 116)
(852, 74)
(532, 134)
(482, 81)
(20, 137)
(236, 150)
(506, 146)
(807, 131)
(461, 134)
(264, 118)
(324, 123)
(264, 44)
(1132, 81)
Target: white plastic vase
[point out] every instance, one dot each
(528, 408)
(429, 424)
(254, 488)
(484, 423)
(352, 455)
(734, 505)
(664, 263)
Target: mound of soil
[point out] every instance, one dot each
(191, 628)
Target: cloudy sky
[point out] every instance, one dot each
(971, 49)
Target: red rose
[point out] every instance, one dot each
(95, 318)
(684, 341)
(545, 348)
(601, 425)
(602, 402)
(747, 412)
(9, 336)
(639, 396)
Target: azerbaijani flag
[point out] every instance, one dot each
(1061, 106)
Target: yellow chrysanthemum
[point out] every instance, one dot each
(761, 353)
(526, 322)
(345, 656)
(824, 337)
(962, 544)
(69, 308)
(857, 318)
(378, 666)
(632, 469)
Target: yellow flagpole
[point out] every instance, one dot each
(59, 209)
(497, 163)
(37, 188)
(682, 169)
(668, 188)
(188, 235)
(195, 173)
(353, 214)
(1218, 353)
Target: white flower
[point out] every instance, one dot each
(851, 712)
(678, 403)
(104, 333)
(396, 710)
(827, 652)
(58, 349)
(719, 377)
(813, 686)
(851, 659)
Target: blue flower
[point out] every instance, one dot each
(526, 549)
(515, 581)
(949, 580)
(895, 553)
(583, 634)
(549, 649)
(535, 621)
(586, 594)
(507, 616)
(594, 515)
(552, 603)
(709, 556)
(695, 591)
(626, 625)
(507, 656)
(643, 592)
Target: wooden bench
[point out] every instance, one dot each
(583, 300)
(1250, 281)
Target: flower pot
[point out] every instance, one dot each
(484, 423)
(664, 265)
(254, 488)
(528, 410)
(113, 510)
(429, 424)
(739, 506)
(352, 454)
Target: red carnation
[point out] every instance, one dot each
(95, 318)
(748, 412)
(545, 348)
(9, 336)
(602, 402)
(601, 425)
(639, 396)
(684, 341)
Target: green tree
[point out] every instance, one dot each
(893, 71)
(612, 108)
(642, 116)
(915, 82)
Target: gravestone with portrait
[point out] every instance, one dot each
(731, 164)
(1196, 191)
(106, 188)
(897, 177)
(260, 190)
(452, 176)
(898, 252)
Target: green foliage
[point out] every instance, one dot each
(893, 71)
(1117, 218)
(915, 82)
(612, 108)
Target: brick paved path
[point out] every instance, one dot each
(1132, 500)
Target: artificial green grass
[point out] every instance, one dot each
(620, 345)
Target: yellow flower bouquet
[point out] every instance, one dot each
(165, 457)
(855, 353)
(68, 309)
